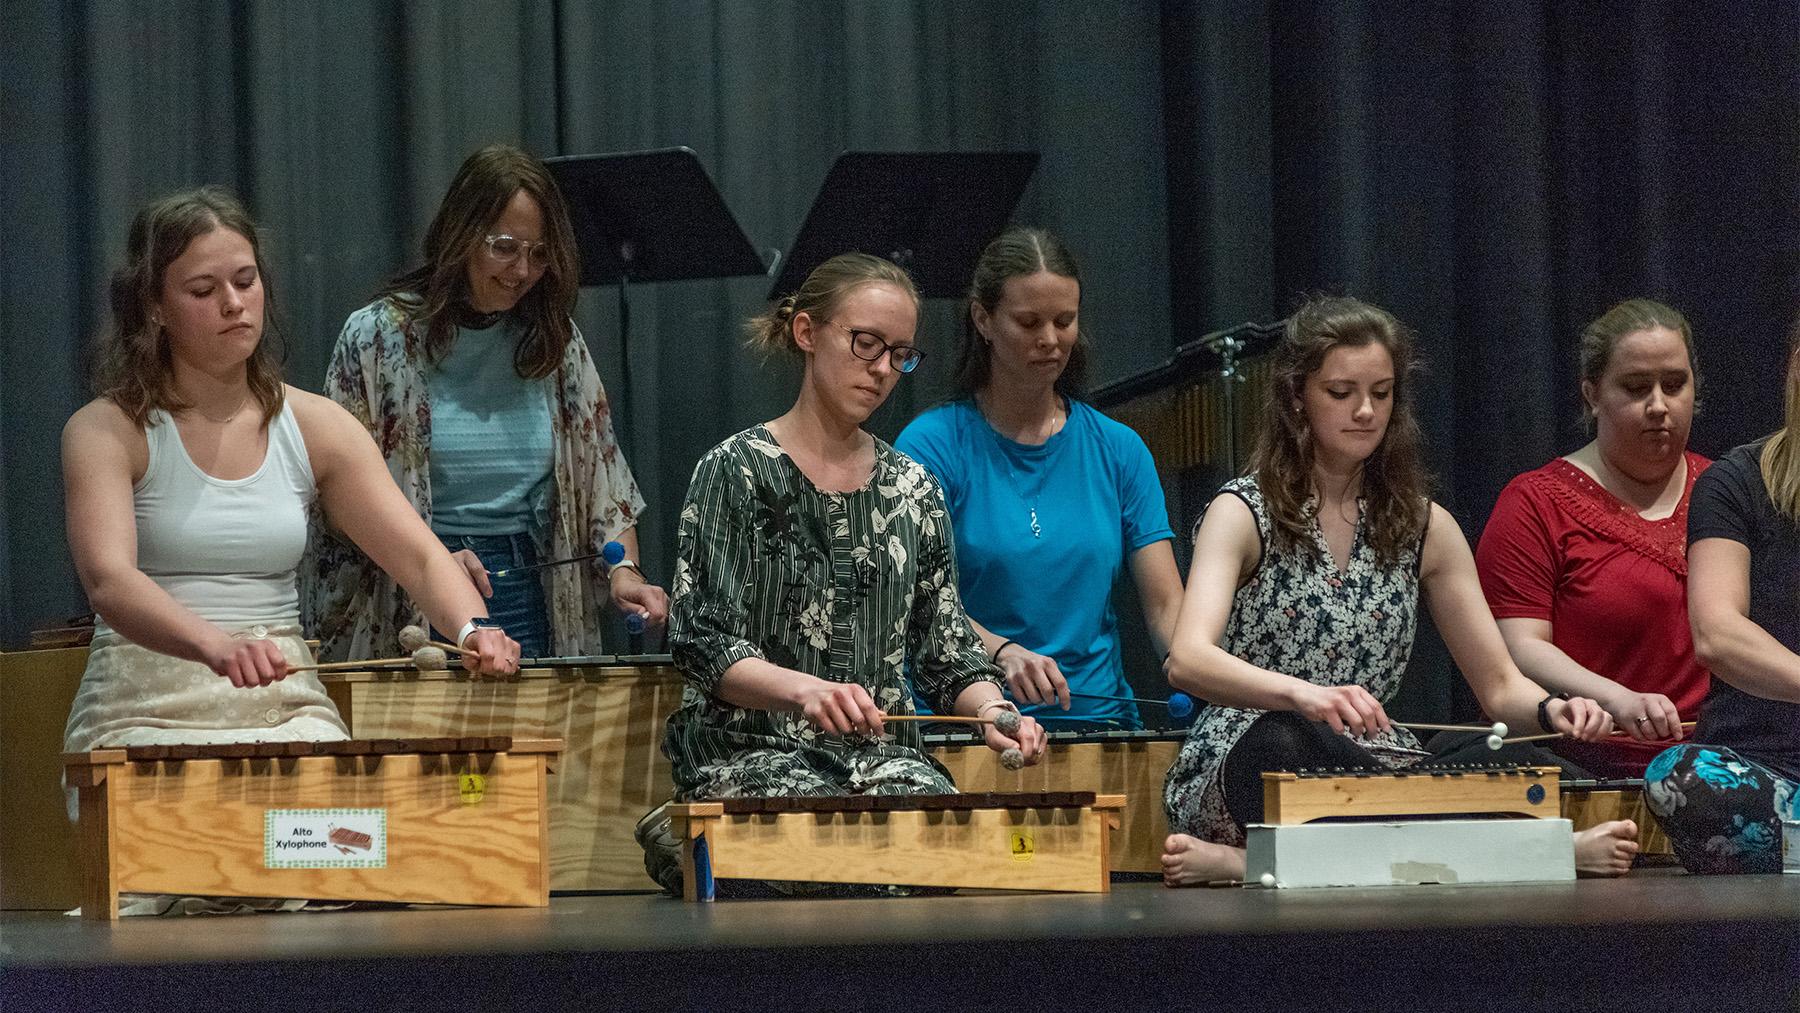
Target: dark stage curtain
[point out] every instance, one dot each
(1495, 175)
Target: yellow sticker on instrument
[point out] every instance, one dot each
(1021, 845)
(472, 787)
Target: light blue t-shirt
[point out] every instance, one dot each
(1097, 500)
(492, 448)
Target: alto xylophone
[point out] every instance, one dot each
(432, 820)
(1051, 841)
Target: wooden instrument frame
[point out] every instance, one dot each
(1290, 798)
(196, 826)
(1066, 847)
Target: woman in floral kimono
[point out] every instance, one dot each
(481, 394)
(816, 577)
(1303, 599)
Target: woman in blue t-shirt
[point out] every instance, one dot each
(1722, 797)
(1048, 498)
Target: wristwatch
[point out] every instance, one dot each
(1544, 710)
(477, 623)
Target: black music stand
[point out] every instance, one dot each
(646, 216)
(929, 212)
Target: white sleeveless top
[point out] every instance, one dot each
(225, 549)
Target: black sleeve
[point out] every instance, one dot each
(1726, 498)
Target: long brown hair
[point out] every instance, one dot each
(1018, 252)
(1395, 486)
(1780, 461)
(136, 369)
(819, 295)
(476, 199)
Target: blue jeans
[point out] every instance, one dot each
(518, 601)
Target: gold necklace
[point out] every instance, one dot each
(235, 412)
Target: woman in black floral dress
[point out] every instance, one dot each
(1303, 598)
(816, 575)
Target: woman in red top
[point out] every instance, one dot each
(1584, 560)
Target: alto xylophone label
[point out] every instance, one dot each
(325, 838)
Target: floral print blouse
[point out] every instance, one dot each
(1300, 616)
(378, 372)
(853, 587)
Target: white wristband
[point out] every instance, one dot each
(483, 623)
(623, 564)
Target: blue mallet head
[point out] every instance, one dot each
(612, 553)
(1180, 705)
(634, 623)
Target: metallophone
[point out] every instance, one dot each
(434, 821)
(1048, 841)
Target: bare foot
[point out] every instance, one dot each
(1190, 861)
(1602, 850)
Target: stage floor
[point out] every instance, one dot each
(1655, 939)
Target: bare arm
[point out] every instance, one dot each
(1159, 589)
(1532, 649)
(1227, 550)
(1726, 640)
(362, 501)
(103, 455)
(1453, 593)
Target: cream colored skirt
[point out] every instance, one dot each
(133, 696)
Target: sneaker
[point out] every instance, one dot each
(662, 851)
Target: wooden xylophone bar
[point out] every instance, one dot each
(1291, 797)
(345, 747)
(1054, 841)
(431, 820)
(959, 802)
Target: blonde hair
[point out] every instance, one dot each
(819, 295)
(1780, 462)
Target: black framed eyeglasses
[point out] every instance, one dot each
(868, 346)
(505, 249)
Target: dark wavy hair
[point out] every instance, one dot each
(136, 369)
(1018, 252)
(1396, 487)
(477, 197)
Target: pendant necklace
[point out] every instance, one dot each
(1031, 504)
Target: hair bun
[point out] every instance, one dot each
(784, 310)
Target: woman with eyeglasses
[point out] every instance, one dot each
(481, 393)
(1049, 498)
(815, 574)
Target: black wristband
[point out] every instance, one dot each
(995, 658)
(1544, 710)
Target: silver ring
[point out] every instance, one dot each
(1643, 721)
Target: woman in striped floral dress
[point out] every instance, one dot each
(816, 583)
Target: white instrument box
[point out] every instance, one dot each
(1410, 852)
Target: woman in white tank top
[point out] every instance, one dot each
(188, 485)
